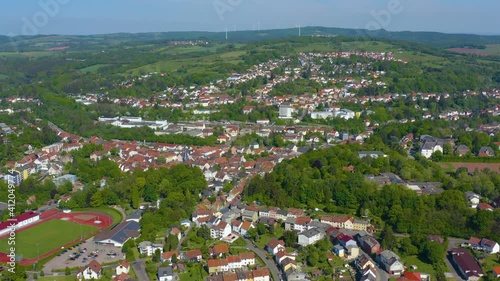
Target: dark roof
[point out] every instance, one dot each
(165, 271)
(135, 215)
(466, 262)
(121, 232)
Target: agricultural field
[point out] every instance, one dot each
(490, 50)
(471, 167)
(56, 233)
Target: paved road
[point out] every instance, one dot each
(184, 237)
(269, 263)
(140, 270)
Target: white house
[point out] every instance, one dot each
(310, 236)
(286, 112)
(391, 262)
(429, 147)
(490, 246)
(147, 248)
(123, 267)
(165, 273)
(274, 246)
(221, 230)
(92, 271)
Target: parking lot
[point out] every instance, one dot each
(82, 254)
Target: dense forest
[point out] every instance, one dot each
(318, 180)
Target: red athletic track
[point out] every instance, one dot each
(72, 217)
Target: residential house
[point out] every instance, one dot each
(310, 236)
(176, 232)
(486, 151)
(274, 246)
(363, 261)
(372, 154)
(167, 256)
(193, 255)
(93, 270)
(490, 246)
(369, 244)
(339, 251)
(496, 272)
(484, 206)
(462, 150)
(250, 215)
(219, 250)
(123, 267)
(280, 256)
(429, 147)
(473, 198)
(288, 264)
(391, 262)
(369, 274)
(147, 248)
(220, 230)
(165, 273)
(467, 266)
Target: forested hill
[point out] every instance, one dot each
(435, 39)
(321, 179)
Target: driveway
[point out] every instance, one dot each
(453, 243)
(140, 270)
(275, 272)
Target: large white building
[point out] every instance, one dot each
(286, 112)
(310, 236)
(21, 221)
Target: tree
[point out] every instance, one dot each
(96, 200)
(171, 243)
(67, 271)
(203, 232)
(157, 256)
(313, 259)
(134, 198)
(388, 238)
(437, 156)
(252, 233)
(447, 149)
(290, 238)
(261, 228)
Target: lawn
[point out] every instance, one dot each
(47, 237)
(490, 262)
(92, 68)
(421, 266)
(195, 273)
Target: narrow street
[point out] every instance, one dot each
(275, 272)
(183, 238)
(140, 270)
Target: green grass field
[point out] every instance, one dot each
(48, 236)
(92, 69)
(421, 266)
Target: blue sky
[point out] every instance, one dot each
(108, 16)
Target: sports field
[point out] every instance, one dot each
(48, 236)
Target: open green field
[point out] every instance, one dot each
(421, 266)
(492, 49)
(48, 236)
(92, 68)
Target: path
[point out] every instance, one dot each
(140, 270)
(263, 255)
(184, 237)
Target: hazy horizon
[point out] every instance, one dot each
(79, 17)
